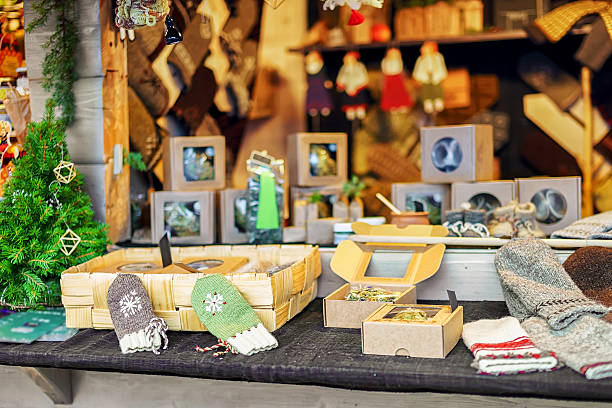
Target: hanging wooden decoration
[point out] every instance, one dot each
(70, 240)
(65, 172)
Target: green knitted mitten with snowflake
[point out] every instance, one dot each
(226, 314)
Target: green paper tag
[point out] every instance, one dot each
(267, 212)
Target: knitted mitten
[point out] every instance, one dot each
(585, 346)
(136, 326)
(553, 311)
(535, 284)
(228, 316)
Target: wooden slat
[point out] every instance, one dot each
(190, 320)
(55, 383)
(477, 242)
(79, 317)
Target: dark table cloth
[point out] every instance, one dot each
(308, 353)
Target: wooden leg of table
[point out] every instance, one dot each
(586, 165)
(56, 383)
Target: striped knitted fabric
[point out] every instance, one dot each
(226, 314)
(554, 312)
(598, 226)
(502, 347)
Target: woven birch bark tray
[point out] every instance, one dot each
(276, 297)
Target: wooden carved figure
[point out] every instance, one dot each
(352, 81)
(318, 100)
(430, 71)
(395, 97)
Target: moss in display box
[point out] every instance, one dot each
(276, 295)
(194, 163)
(189, 216)
(429, 331)
(355, 264)
(318, 159)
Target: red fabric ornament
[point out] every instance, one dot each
(356, 18)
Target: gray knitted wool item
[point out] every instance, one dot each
(598, 226)
(136, 326)
(552, 309)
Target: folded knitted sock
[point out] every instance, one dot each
(535, 284)
(554, 312)
(136, 326)
(591, 270)
(502, 346)
(226, 314)
(585, 346)
(595, 227)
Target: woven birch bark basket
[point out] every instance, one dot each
(276, 297)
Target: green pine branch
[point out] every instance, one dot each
(59, 62)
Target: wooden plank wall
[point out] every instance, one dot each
(101, 115)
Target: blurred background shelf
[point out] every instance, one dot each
(459, 39)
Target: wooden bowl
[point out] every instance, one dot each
(410, 218)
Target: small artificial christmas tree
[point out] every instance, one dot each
(46, 220)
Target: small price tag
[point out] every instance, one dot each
(164, 248)
(452, 297)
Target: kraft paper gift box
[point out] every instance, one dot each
(484, 195)
(317, 159)
(456, 153)
(434, 338)
(417, 197)
(189, 216)
(194, 163)
(232, 215)
(557, 200)
(353, 262)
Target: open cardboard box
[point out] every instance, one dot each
(434, 338)
(351, 261)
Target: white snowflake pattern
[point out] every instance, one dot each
(130, 304)
(214, 303)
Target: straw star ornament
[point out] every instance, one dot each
(65, 172)
(70, 240)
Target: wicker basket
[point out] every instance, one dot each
(275, 298)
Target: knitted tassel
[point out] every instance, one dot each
(156, 334)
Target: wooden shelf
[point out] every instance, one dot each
(461, 39)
